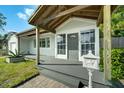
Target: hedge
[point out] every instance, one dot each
(117, 63)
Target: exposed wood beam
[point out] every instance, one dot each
(39, 33)
(63, 19)
(100, 17)
(90, 10)
(53, 22)
(85, 14)
(53, 13)
(25, 34)
(30, 33)
(36, 15)
(47, 29)
(32, 16)
(48, 12)
(107, 42)
(68, 11)
(88, 17)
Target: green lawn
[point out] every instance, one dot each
(12, 74)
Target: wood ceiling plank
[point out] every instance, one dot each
(89, 10)
(48, 11)
(63, 19)
(47, 29)
(53, 22)
(88, 17)
(68, 11)
(37, 14)
(100, 17)
(31, 32)
(53, 13)
(39, 33)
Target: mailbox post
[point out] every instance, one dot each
(91, 62)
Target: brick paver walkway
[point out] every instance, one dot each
(42, 81)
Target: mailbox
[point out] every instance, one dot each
(90, 61)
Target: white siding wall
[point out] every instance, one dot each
(72, 25)
(13, 39)
(77, 25)
(24, 45)
(43, 51)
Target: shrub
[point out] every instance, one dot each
(117, 63)
(16, 54)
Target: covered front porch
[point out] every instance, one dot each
(48, 19)
(69, 72)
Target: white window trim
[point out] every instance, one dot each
(96, 41)
(62, 56)
(45, 42)
(79, 38)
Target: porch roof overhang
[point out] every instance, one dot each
(49, 17)
(30, 32)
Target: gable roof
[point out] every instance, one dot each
(51, 16)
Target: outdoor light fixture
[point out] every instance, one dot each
(91, 62)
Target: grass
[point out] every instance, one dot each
(12, 74)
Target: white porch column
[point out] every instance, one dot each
(37, 47)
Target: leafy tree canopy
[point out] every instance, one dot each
(118, 18)
(117, 22)
(2, 21)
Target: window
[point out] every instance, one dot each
(45, 42)
(88, 42)
(61, 44)
(34, 43)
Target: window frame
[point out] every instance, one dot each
(46, 45)
(61, 46)
(34, 43)
(90, 43)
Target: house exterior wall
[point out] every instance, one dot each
(24, 45)
(13, 40)
(72, 25)
(43, 51)
(77, 25)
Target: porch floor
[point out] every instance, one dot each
(52, 60)
(42, 81)
(68, 69)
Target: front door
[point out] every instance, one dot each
(72, 41)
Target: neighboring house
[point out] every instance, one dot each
(12, 42)
(63, 39)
